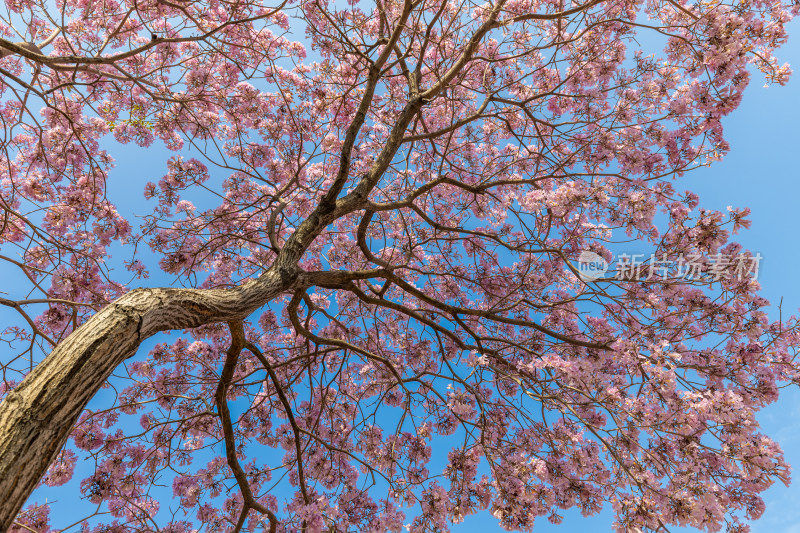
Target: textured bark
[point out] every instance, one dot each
(38, 415)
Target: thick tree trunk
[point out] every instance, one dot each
(38, 415)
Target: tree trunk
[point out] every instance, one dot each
(38, 415)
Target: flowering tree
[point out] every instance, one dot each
(372, 219)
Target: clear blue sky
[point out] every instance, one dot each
(762, 172)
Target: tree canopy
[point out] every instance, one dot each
(369, 242)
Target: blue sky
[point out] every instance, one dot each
(762, 172)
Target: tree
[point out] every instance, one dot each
(374, 251)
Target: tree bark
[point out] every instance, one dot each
(38, 415)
